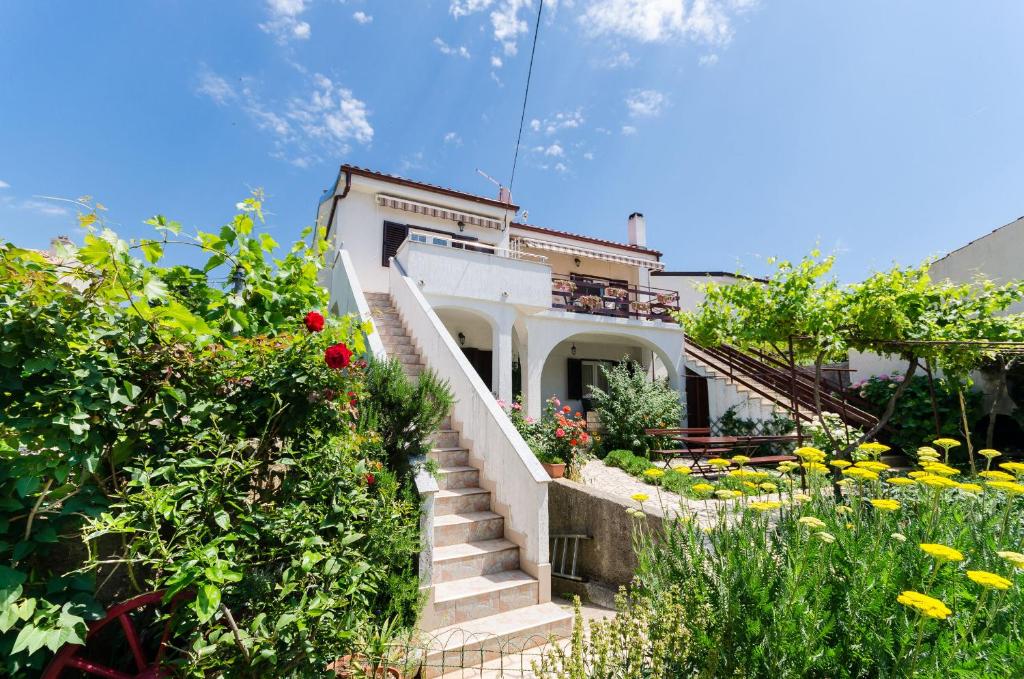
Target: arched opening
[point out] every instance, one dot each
(474, 333)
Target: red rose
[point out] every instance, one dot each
(566, 409)
(314, 321)
(370, 479)
(352, 400)
(574, 442)
(559, 433)
(584, 437)
(337, 356)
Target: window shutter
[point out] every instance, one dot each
(574, 389)
(394, 235)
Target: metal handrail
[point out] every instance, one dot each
(443, 241)
(621, 306)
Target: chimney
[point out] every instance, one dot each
(637, 230)
(504, 195)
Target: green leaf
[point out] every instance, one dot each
(222, 519)
(9, 579)
(155, 289)
(30, 638)
(152, 250)
(207, 602)
(267, 243)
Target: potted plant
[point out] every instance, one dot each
(640, 307)
(378, 651)
(617, 293)
(561, 285)
(668, 298)
(590, 302)
(553, 464)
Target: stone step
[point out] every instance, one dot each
(397, 342)
(452, 456)
(461, 500)
(482, 596)
(445, 438)
(457, 476)
(412, 371)
(451, 529)
(478, 641)
(446, 423)
(376, 296)
(474, 558)
(406, 358)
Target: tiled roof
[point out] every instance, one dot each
(395, 179)
(587, 239)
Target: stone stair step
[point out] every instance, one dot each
(461, 500)
(445, 438)
(451, 529)
(481, 596)
(469, 559)
(412, 370)
(406, 358)
(478, 641)
(452, 456)
(457, 476)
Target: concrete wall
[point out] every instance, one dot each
(690, 297)
(607, 558)
(998, 256)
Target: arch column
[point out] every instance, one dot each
(501, 357)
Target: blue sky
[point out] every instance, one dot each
(742, 128)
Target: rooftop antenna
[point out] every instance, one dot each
(504, 195)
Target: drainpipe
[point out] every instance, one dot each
(337, 197)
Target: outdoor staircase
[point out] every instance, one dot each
(483, 604)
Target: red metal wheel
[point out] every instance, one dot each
(137, 651)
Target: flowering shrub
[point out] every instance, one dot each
(558, 437)
(916, 575)
(162, 432)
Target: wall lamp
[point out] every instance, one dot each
(572, 349)
(462, 339)
(462, 226)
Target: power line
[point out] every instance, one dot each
(526, 94)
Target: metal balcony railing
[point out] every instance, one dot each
(602, 297)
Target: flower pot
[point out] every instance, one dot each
(555, 470)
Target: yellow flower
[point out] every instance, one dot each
(873, 448)
(839, 464)
(719, 462)
(917, 474)
(1014, 467)
(740, 459)
(682, 469)
(970, 487)
(941, 469)
(989, 453)
(1007, 486)
(989, 580)
(825, 537)
(899, 537)
(815, 468)
(843, 509)
(751, 486)
(860, 474)
(996, 476)
(942, 553)
(900, 481)
(808, 454)
(946, 443)
(702, 488)
(812, 522)
(844, 482)
(654, 473)
(872, 466)
(801, 497)
(925, 605)
(937, 481)
(768, 487)
(786, 467)
(886, 505)
(640, 497)
(765, 506)
(728, 494)
(927, 451)
(1016, 559)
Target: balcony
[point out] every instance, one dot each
(603, 297)
(444, 265)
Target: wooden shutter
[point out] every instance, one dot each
(394, 235)
(574, 389)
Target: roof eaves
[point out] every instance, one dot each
(587, 239)
(434, 188)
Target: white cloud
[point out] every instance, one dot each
(561, 167)
(621, 60)
(554, 150)
(588, 155)
(43, 207)
(496, 61)
(506, 23)
(570, 120)
(284, 23)
(451, 50)
(4, 185)
(215, 87)
(708, 21)
(628, 130)
(645, 103)
(304, 129)
(362, 17)
(708, 60)
(453, 138)
(535, 125)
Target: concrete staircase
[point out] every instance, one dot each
(483, 605)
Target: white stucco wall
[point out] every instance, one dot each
(555, 376)
(998, 256)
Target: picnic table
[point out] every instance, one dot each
(699, 445)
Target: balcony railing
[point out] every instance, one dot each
(601, 297)
(445, 241)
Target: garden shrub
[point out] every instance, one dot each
(632, 404)
(558, 437)
(913, 420)
(160, 431)
(916, 576)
